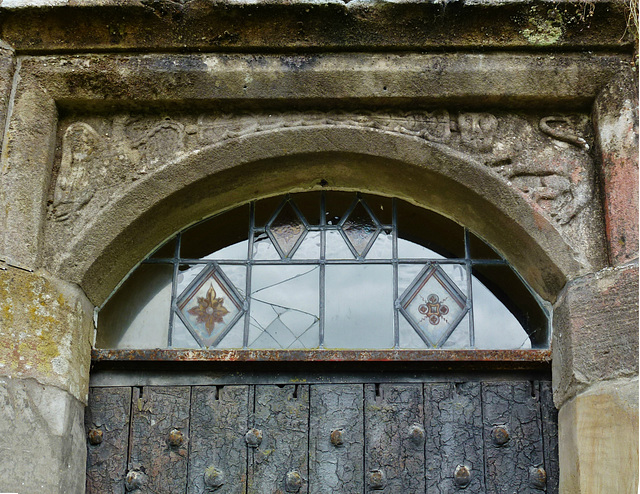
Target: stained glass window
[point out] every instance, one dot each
(324, 270)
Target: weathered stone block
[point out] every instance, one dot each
(42, 446)
(46, 329)
(595, 330)
(616, 120)
(598, 440)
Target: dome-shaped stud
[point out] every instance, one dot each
(462, 476)
(253, 438)
(500, 435)
(292, 481)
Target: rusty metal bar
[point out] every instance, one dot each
(322, 355)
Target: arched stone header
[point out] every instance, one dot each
(267, 163)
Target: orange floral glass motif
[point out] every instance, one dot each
(210, 310)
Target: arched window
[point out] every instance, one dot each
(324, 270)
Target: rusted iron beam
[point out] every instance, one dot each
(166, 355)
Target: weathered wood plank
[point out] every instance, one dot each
(159, 438)
(218, 452)
(454, 444)
(106, 423)
(550, 437)
(280, 463)
(394, 438)
(513, 436)
(336, 439)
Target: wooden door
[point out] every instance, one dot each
(391, 437)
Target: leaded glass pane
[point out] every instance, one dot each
(334, 270)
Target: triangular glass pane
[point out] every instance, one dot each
(287, 229)
(181, 337)
(210, 306)
(433, 305)
(336, 246)
(360, 229)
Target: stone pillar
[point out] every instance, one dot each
(615, 115)
(595, 369)
(46, 329)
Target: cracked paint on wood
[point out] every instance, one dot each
(453, 426)
(549, 415)
(109, 412)
(156, 412)
(391, 411)
(336, 439)
(282, 414)
(514, 406)
(219, 421)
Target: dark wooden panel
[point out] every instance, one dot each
(157, 411)
(336, 439)
(106, 423)
(394, 438)
(218, 452)
(550, 436)
(511, 457)
(282, 414)
(454, 443)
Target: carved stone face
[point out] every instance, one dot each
(477, 130)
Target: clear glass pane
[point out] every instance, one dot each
(336, 246)
(382, 248)
(430, 230)
(359, 306)
(460, 338)
(495, 327)
(309, 248)
(137, 315)
(234, 338)
(411, 250)
(238, 251)
(284, 306)
(263, 249)
(181, 337)
(409, 337)
(216, 233)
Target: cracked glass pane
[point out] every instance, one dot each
(284, 307)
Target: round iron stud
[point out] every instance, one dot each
(537, 477)
(337, 437)
(416, 434)
(134, 480)
(175, 438)
(377, 480)
(213, 478)
(253, 438)
(95, 436)
(500, 435)
(462, 476)
(292, 481)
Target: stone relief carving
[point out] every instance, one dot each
(544, 157)
(81, 163)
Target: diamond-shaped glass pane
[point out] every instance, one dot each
(287, 229)
(433, 305)
(210, 306)
(360, 229)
